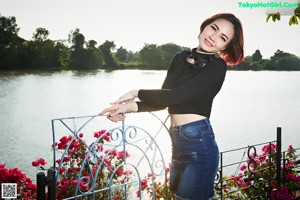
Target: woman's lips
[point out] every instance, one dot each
(208, 43)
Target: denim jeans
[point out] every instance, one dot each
(195, 159)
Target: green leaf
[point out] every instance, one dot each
(291, 21)
(278, 16)
(295, 19)
(268, 17)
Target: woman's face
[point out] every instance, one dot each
(216, 36)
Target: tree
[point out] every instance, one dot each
(131, 56)
(72, 35)
(121, 54)
(8, 31)
(256, 56)
(91, 44)
(279, 54)
(40, 35)
(106, 49)
(41, 51)
(94, 57)
(79, 42)
(10, 43)
(244, 65)
(61, 55)
(151, 56)
(78, 55)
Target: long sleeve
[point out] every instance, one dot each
(211, 76)
(146, 107)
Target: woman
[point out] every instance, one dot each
(193, 80)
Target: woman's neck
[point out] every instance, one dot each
(200, 50)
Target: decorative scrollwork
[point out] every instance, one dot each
(115, 134)
(101, 166)
(252, 163)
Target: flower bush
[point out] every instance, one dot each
(98, 169)
(160, 187)
(257, 178)
(101, 165)
(25, 188)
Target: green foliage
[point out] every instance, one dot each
(10, 42)
(42, 53)
(40, 35)
(293, 19)
(151, 56)
(256, 56)
(84, 58)
(106, 48)
(121, 54)
(279, 61)
(257, 177)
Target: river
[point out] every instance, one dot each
(248, 109)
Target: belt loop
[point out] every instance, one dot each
(207, 123)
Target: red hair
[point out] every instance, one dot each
(233, 54)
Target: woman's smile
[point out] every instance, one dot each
(208, 43)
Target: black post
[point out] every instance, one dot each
(51, 184)
(221, 175)
(278, 157)
(41, 184)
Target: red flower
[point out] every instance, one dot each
(66, 159)
(42, 161)
(144, 184)
(64, 140)
(38, 162)
(138, 193)
(167, 170)
(61, 170)
(121, 155)
(35, 163)
(119, 172)
(243, 167)
(266, 149)
(81, 135)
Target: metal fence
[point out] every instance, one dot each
(94, 158)
(261, 166)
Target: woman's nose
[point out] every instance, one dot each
(212, 38)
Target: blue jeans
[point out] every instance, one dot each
(195, 159)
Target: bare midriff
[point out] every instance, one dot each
(180, 119)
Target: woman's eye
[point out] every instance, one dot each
(214, 28)
(223, 39)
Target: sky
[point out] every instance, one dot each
(134, 23)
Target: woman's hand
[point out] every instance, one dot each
(126, 98)
(116, 111)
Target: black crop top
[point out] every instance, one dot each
(187, 88)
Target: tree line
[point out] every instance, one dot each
(77, 53)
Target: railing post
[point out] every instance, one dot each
(51, 184)
(221, 175)
(278, 157)
(41, 184)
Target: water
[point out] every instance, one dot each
(249, 108)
